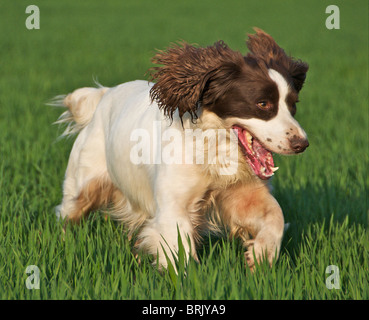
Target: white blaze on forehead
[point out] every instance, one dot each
(281, 84)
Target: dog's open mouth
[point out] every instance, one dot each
(259, 158)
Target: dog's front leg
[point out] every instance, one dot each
(159, 237)
(252, 211)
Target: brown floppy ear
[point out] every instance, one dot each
(298, 70)
(186, 74)
(263, 47)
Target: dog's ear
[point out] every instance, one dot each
(191, 75)
(298, 70)
(263, 47)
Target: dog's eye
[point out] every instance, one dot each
(265, 105)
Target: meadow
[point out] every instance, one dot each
(323, 192)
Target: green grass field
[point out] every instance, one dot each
(323, 192)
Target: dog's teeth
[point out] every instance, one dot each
(262, 170)
(249, 137)
(274, 169)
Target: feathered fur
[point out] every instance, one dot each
(81, 105)
(182, 82)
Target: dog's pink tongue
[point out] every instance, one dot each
(259, 158)
(264, 156)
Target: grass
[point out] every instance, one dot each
(323, 193)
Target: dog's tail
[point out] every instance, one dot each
(81, 105)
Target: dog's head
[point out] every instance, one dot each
(256, 94)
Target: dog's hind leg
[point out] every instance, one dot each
(97, 193)
(87, 185)
(252, 211)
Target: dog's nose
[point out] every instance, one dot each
(298, 144)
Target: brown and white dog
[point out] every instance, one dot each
(191, 150)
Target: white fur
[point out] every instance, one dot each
(158, 194)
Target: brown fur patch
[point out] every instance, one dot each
(97, 193)
(244, 207)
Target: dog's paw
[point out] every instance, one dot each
(249, 258)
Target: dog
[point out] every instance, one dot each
(190, 150)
